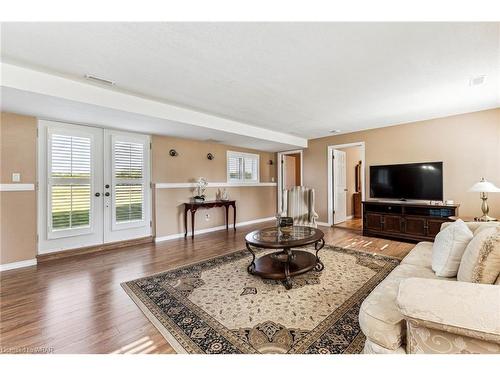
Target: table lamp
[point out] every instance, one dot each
(484, 187)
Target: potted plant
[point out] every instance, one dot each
(201, 186)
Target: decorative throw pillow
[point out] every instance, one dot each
(481, 259)
(448, 248)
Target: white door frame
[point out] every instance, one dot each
(280, 173)
(114, 232)
(330, 175)
(42, 176)
(46, 242)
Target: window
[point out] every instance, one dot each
(128, 177)
(70, 182)
(242, 167)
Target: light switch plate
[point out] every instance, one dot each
(16, 177)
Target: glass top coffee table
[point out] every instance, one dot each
(285, 263)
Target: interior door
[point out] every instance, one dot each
(339, 187)
(127, 191)
(289, 172)
(70, 180)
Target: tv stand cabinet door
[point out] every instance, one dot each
(392, 224)
(415, 226)
(434, 226)
(373, 221)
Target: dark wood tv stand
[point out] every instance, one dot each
(407, 221)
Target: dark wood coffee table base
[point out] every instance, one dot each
(284, 264)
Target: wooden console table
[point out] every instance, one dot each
(193, 206)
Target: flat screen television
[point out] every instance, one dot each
(418, 181)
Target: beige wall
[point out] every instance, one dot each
(468, 145)
(191, 163)
(353, 156)
(251, 203)
(18, 208)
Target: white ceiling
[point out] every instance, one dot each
(303, 79)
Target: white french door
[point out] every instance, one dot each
(127, 198)
(93, 186)
(340, 187)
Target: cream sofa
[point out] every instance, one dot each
(415, 311)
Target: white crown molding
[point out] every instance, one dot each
(17, 187)
(43, 83)
(180, 185)
(213, 229)
(20, 264)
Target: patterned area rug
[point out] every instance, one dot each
(215, 306)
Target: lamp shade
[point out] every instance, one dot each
(484, 186)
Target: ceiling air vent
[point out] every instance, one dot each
(476, 81)
(100, 80)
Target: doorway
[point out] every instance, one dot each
(94, 186)
(290, 172)
(346, 184)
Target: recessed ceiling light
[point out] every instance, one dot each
(476, 81)
(101, 80)
(335, 131)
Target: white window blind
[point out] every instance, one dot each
(69, 182)
(129, 181)
(242, 167)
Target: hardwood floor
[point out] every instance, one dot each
(76, 304)
(351, 224)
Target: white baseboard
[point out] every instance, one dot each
(213, 229)
(328, 225)
(14, 265)
(323, 224)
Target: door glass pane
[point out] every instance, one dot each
(128, 202)
(80, 209)
(128, 176)
(128, 160)
(69, 180)
(70, 206)
(70, 156)
(61, 207)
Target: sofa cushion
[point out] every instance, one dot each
(379, 316)
(449, 246)
(420, 255)
(481, 260)
(474, 226)
(485, 225)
